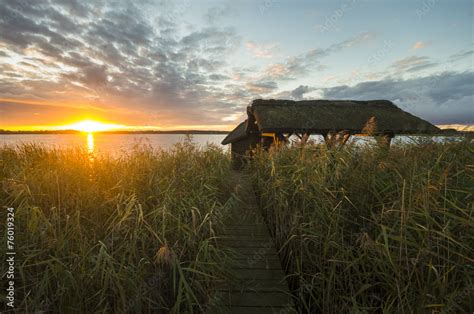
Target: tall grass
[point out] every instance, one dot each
(363, 229)
(127, 234)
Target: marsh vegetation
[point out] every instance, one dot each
(358, 228)
(366, 229)
(128, 234)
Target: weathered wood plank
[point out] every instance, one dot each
(270, 262)
(264, 285)
(257, 274)
(246, 251)
(261, 299)
(257, 282)
(252, 310)
(249, 243)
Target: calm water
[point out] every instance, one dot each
(108, 143)
(117, 143)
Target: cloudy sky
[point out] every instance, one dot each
(197, 64)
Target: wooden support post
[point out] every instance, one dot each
(304, 138)
(279, 139)
(345, 137)
(336, 138)
(330, 138)
(266, 142)
(286, 137)
(387, 139)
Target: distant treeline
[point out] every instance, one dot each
(115, 132)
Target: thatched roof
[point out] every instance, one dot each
(237, 134)
(318, 116)
(322, 116)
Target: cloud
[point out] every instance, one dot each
(218, 77)
(261, 50)
(420, 45)
(295, 94)
(87, 56)
(440, 98)
(296, 66)
(298, 92)
(412, 64)
(215, 14)
(461, 55)
(261, 87)
(357, 40)
(119, 61)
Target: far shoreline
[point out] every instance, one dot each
(190, 132)
(444, 132)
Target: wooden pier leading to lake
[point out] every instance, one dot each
(257, 283)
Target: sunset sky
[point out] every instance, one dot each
(197, 64)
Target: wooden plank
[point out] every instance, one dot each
(252, 285)
(246, 251)
(249, 243)
(253, 299)
(261, 263)
(257, 274)
(252, 310)
(245, 232)
(250, 226)
(243, 237)
(256, 282)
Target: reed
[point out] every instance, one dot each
(363, 229)
(135, 233)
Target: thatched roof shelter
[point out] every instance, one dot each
(323, 116)
(271, 121)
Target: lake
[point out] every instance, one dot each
(117, 143)
(108, 143)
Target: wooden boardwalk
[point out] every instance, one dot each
(257, 283)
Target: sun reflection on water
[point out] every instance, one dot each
(90, 143)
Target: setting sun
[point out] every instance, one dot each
(92, 126)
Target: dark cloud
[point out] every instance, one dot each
(295, 94)
(110, 29)
(442, 98)
(75, 7)
(298, 92)
(218, 77)
(211, 40)
(95, 76)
